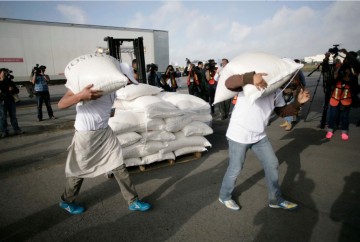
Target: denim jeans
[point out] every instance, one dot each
(9, 108)
(343, 113)
(265, 153)
(40, 98)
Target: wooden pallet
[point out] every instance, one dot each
(164, 163)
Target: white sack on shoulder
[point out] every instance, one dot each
(279, 71)
(131, 92)
(101, 70)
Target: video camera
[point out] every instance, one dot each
(8, 74)
(212, 65)
(36, 70)
(334, 50)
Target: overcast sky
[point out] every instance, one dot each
(215, 29)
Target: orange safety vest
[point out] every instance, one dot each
(212, 80)
(234, 99)
(341, 94)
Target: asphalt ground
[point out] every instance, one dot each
(322, 176)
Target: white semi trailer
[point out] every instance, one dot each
(24, 43)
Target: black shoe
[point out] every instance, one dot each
(40, 119)
(3, 135)
(52, 117)
(19, 131)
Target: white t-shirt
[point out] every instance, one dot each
(94, 115)
(248, 121)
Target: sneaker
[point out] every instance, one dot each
(230, 204)
(72, 208)
(288, 127)
(139, 206)
(53, 117)
(284, 205)
(329, 135)
(344, 136)
(283, 124)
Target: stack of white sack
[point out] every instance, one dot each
(152, 125)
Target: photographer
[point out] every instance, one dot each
(210, 73)
(153, 78)
(7, 90)
(193, 82)
(168, 80)
(40, 80)
(344, 94)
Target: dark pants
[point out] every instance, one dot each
(43, 97)
(343, 113)
(9, 107)
(224, 108)
(212, 89)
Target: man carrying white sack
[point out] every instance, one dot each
(95, 149)
(247, 131)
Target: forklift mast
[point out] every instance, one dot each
(114, 46)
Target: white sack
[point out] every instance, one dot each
(128, 138)
(279, 71)
(131, 92)
(182, 141)
(157, 157)
(140, 150)
(132, 162)
(205, 118)
(186, 102)
(127, 121)
(159, 135)
(152, 106)
(101, 70)
(175, 124)
(189, 150)
(197, 128)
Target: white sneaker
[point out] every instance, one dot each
(230, 204)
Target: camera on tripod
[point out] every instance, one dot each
(212, 65)
(334, 51)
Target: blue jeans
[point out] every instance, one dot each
(43, 97)
(343, 113)
(265, 153)
(9, 108)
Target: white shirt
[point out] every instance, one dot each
(94, 115)
(248, 121)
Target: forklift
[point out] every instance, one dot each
(115, 50)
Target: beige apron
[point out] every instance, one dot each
(93, 153)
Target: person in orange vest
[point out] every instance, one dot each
(193, 82)
(210, 74)
(341, 99)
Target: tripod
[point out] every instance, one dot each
(326, 76)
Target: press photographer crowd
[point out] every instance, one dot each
(339, 79)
